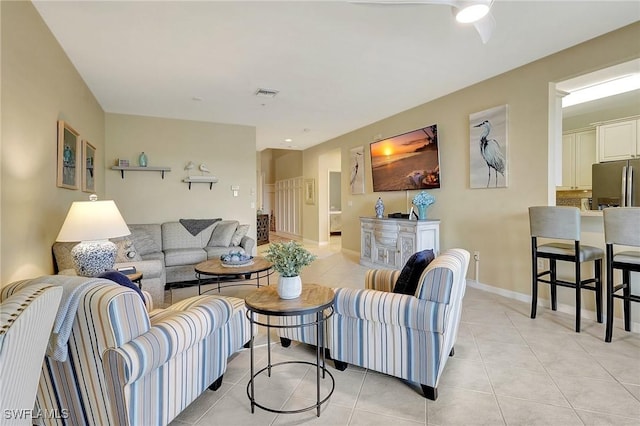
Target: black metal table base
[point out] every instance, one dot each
(320, 363)
(224, 281)
(300, 410)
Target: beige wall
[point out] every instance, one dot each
(229, 151)
(492, 221)
(39, 87)
(287, 164)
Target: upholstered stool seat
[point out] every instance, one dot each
(587, 253)
(627, 257)
(622, 227)
(562, 223)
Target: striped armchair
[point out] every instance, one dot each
(406, 336)
(120, 364)
(26, 319)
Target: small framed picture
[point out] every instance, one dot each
(88, 161)
(68, 150)
(309, 191)
(356, 166)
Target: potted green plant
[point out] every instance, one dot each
(288, 259)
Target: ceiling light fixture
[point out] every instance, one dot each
(616, 86)
(468, 12)
(288, 140)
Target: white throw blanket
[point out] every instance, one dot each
(72, 289)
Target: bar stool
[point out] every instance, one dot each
(562, 223)
(621, 226)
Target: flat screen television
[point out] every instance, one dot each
(407, 161)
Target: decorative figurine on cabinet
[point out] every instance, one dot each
(379, 208)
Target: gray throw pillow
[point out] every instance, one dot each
(62, 254)
(241, 231)
(223, 233)
(126, 250)
(144, 243)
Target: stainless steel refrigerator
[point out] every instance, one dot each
(616, 184)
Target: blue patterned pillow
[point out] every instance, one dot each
(407, 282)
(123, 280)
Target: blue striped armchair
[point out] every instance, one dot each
(406, 336)
(111, 362)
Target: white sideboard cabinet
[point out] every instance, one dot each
(388, 243)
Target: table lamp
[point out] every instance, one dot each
(92, 223)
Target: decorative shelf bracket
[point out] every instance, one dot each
(162, 170)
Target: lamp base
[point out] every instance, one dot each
(91, 258)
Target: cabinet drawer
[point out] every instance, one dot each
(388, 239)
(410, 228)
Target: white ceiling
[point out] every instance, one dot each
(338, 65)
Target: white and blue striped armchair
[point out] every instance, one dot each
(406, 336)
(122, 365)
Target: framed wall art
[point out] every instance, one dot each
(356, 167)
(68, 150)
(309, 191)
(488, 161)
(88, 160)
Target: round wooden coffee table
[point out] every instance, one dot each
(315, 299)
(258, 269)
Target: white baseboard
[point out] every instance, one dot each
(353, 252)
(564, 308)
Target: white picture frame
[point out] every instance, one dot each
(356, 170)
(488, 148)
(309, 191)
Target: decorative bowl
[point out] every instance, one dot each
(235, 259)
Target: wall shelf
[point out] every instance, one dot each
(141, 169)
(201, 179)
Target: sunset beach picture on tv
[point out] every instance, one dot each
(407, 161)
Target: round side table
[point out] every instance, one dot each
(315, 299)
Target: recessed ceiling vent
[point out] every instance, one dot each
(267, 93)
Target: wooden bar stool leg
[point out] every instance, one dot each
(578, 296)
(626, 292)
(553, 286)
(598, 284)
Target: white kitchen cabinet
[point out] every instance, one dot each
(618, 140)
(578, 155)
(388, 243)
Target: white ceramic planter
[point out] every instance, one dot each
(289, 287)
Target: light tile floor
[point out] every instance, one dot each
(507, 369)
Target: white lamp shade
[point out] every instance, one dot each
(91, 221)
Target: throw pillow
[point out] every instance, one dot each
(237, 236)
(126, 250)
(407, 282)
(62, 255)
(144, 242)
(223, 233)
(123, 280)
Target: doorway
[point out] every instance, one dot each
(335, 203)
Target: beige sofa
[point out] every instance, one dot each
(167, 253)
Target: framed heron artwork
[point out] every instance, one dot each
(68, 156)
(356, 168)
(88, 160)
(488, 160)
